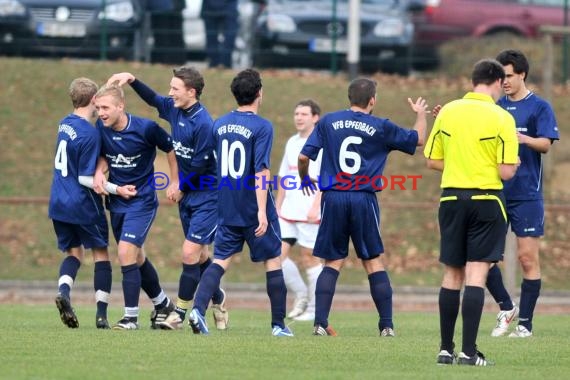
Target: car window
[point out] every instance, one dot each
(552, 3)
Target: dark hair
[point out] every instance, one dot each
(487, 71)
(315, 109)
(81, 91)
(246, 86)
(360, 91)
(191, 78)
(515, 58)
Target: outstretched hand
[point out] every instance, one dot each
(419, 106)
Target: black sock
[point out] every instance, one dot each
(448, 312)
(471, 310)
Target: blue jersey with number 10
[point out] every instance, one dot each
(243, 141)
(355, 148)
(77, 151)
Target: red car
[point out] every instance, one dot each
(442, 20)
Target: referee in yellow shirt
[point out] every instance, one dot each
(474, 144)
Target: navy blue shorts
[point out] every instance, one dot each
(526, 217)
(229, 241)
(199, 216)
(349, 215)
(473, 225)
(87, 235)
(132, 227)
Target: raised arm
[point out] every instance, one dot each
(420, 108)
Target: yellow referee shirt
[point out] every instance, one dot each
(472, 136)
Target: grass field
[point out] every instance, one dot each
(36, 345)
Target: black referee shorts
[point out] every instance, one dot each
(473, 225)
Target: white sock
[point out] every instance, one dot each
(312, 276)
(293, 279)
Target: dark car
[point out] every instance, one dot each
(443, 20)
(70, 27)
(302, 33)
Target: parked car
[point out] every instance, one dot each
(301, 33)
(194, 30)
(443, 20)
(70, 27)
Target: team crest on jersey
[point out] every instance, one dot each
(181, 150)
(120, 161)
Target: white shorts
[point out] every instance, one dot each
(305, 233)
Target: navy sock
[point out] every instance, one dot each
(530, 290)
(381, 292)
(189, 280)
(102, 281)
(131, 284)
(277, 292)
(497, 288)
(209, 282)
(449, 300)
(471, 310)
(218, 296)
(324, 293)
(67, 273)
(150, 283)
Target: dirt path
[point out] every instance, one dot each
(253, 296)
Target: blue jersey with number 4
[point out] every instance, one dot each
(243, 141)
(355, 148)
(534, 117)
(130, 154)
(77, 151)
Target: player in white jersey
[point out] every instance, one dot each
(299, 215)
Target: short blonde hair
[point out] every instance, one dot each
(81, 91)
(113, 90)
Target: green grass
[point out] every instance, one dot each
(37, 346)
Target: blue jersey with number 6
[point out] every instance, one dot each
(77, 151)
(357, 145)
(243, 148)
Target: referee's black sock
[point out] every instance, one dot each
(471, 309)
(448, 311)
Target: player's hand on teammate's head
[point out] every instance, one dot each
(120, 78)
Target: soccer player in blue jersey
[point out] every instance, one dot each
(194, 144)
(76, 210)
(355, 147)
(128, 150)
(536, 130)
(246, 210)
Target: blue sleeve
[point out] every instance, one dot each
(162, 103)
(158, 137)
(397, 138)
(262, 148)
(90, 148)
(314, 142)
(546, 125)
